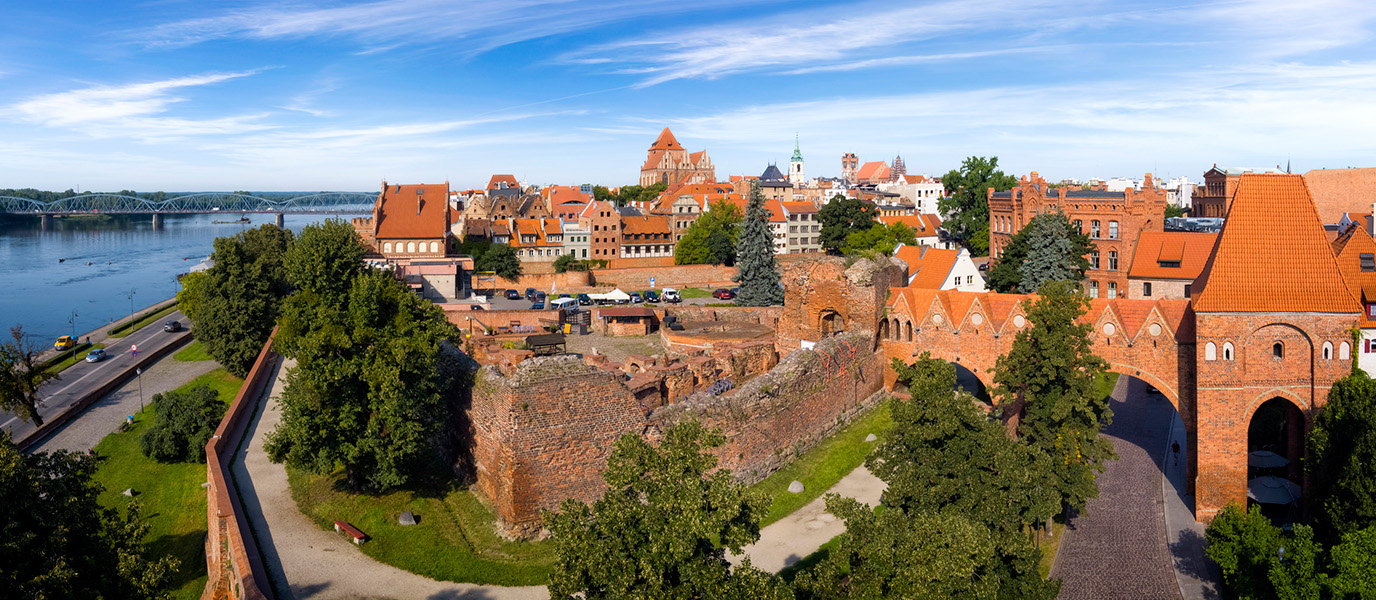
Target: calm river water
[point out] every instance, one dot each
(106, 257)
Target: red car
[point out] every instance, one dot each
(723, 294)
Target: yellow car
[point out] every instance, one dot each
(64, 342)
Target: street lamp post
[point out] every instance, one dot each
(139, 372)
(131, 300)
(72, 321)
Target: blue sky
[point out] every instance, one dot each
(196, 95)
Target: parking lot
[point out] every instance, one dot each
(500, 302)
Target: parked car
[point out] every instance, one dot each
(635, 298)
(64, 342)
(723, 294)
(530, 293)
(513, 295)
(651, 296)
(538, 304)
(671, 296)
(539, 297)
(96, 355)
(584, 300)
(984, 266)
(565, 296)
(737, 291)
(173, 325)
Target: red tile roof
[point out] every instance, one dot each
(1338, 191)
(666, 141)
(644, 225)
(1349, 247)
(928, 267)
(923, 225)
(873, 170)
(412, 211)
(800, 207)
(564, 194)
(508, 179)
(1190, 249)
(1273, 255)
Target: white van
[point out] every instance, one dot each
(670, 295)
(569, 303)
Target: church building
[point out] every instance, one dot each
(668, 162)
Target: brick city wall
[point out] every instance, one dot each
(764, 315)
(638, 278)
(544, 282)
(543, 433)
(779, 415)
(1230, 391)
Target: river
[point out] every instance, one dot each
(90, 265)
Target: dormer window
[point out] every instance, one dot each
(1168, 264)
(1368, 262)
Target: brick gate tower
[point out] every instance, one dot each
(1273, 324)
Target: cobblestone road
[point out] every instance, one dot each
(1117, 547)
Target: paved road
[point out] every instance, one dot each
(83, 378)
(1117, 547)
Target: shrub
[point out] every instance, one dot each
(183, 422)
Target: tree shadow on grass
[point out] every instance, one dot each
(189, 550)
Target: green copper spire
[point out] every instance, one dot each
(797, 154)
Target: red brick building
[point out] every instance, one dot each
(602, 221)
(1215, 197)
(409, 221)
(1166, 263)
(668, 162)
(1112, 220)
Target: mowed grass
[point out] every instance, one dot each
(173, 500)
(825, 465)
(691, 292)
(142, 322)
(192, 353)
(454, 538)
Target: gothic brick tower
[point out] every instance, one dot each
(850, 167)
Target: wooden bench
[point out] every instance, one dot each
(351, 530)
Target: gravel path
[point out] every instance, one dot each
(318, 564)
(104, 417)
(792, 538)
(1117, 547)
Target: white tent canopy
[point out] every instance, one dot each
(617, 294)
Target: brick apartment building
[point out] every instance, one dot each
(1166, 263)
(1112, 220)
(603, 223)
(408, 221)
(1215, 197)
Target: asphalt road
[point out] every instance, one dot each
(83, 377)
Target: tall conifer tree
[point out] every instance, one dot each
(759, 274)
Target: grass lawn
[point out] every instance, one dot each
(173, 500)
(824, 465)
(143, 321)
(694, 293)
(454, 539)
(72, 356)
(1049, 546)
(193, 352)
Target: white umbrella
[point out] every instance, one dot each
(1266, 459)
(1273, 490)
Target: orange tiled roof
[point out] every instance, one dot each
(564, 194)
(1190, 249)
(1349, 248)
(508, 179)
(928, 267)
(1338, 191)
(776, 210)
(666, 141)
(645, 224)
(412, 211)
(1273, 255)
(921, 224)
(800, 207)
(873, 170)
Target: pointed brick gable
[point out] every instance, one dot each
(1273, 255)
(666, 141)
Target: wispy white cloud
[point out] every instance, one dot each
(135, 110)
(388, 24)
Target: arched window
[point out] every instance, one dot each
(896, 333)
(1344, 351)
(1277, 350)
(1113, 260)
(1227, 351)
(434, 247)
(908, 329)
(1210, 351)
(387, 247)
(1328, 350)
(410, 247)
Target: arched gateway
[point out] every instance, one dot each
(1273, 306)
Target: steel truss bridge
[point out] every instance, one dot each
(206, 202)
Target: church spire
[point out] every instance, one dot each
(797, 154)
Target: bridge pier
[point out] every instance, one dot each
(281, 221)
(157, 220)
(47, 222)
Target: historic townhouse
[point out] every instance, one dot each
(409, 221)
(1166, 263)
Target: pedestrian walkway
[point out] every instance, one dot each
(1117, 547)
(794, 537)
(1197, 577)
(306, 561)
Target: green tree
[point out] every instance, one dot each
(1244, 544)
(662, 528)
(237, 302)
(711, 239)
(183, 422)
(1048, 248)
(59, 542)
(880, 239)
(325, 258)
(501, 259)
(21, 374)
(1173, 211)
(1047, 383)
(366, 390)
(1354, 566)
(192, 291)
(966, 205)
(842, 216)
(1342, 472)
(757, 272)
(568, 262)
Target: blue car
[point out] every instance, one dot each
(96, 355)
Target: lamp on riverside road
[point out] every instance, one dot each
(131, 300)
(72, 321)
(139, 372)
